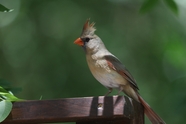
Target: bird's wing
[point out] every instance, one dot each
(116, 65)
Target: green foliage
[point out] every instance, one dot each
(172, 5)
(176, 54)
(150, 4)
(5, 109)
(6, 91)
(4, 9)
(147, 5)
(6, 99)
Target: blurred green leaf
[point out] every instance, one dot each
(147, 5)
(5, 109)
(3, 90)
(40, 97)
(172, 5)
(4, 9)
(176, 54)
(9, 97)
(6, 97)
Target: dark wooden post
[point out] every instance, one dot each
(91, 110)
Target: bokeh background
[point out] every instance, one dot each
(37, 51)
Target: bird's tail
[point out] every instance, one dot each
(153, 117)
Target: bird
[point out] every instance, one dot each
(109, 71)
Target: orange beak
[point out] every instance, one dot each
(79, 42)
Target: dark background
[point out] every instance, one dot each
(37, 51)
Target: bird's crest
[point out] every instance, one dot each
(88, 29)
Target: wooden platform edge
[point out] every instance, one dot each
(81, 109)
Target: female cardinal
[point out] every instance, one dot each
(109, 71)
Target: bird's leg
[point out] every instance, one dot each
(110, 90)
(120, 89)
(100, 105)
(119, 98)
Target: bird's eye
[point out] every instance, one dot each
(87, 39)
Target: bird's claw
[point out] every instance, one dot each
(100, 105)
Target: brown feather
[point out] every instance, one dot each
(116, 65)
(86, 24)
(88, 29)
(153, 117)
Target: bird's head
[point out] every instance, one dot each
(88, 40)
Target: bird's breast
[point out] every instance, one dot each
(104, 74)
